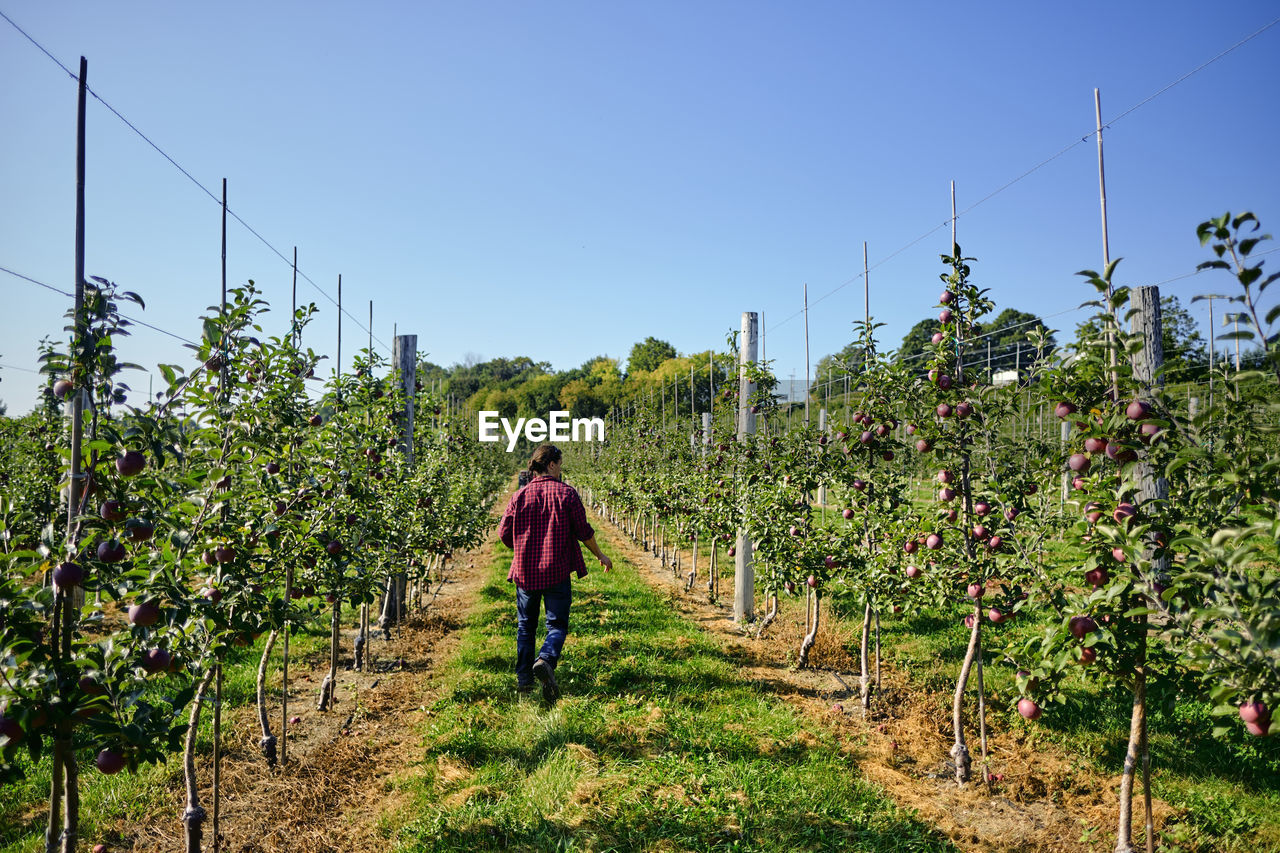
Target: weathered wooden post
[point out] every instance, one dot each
(744, 571)
(404, 357)
(1152, 489)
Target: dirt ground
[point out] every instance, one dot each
(1039, 800)
(336, 790)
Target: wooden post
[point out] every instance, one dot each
(744, 572)
(866, 285)
(953, 216)
(404, 357)
(338, 368)
(1153, 492)
(64, 794)
(806, 354)
(1106, 248)
(822, 487)
(77, 398)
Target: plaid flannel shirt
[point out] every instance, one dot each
(543, 524)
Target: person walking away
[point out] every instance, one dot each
(543, 524)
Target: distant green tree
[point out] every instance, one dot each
(649, 354)
(916, 341)
(1008, 336)
(1186, 358)
(466, 380)
(834, 368)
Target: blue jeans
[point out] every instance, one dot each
(528, 601)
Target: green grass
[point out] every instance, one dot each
(106, 801)
(657, 744)
(1229, 788)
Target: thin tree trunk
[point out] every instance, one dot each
(960, 752)
(268, 742)
(1137, 740)
(877, 652)
(812, 636)
(71, 794)
(770, 616)
(194, 815)
(864, 678)
(330, 680)
(362, 626)
(982, 712)
(53, 833)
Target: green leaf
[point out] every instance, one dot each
(1242, 335)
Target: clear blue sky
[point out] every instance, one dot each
(562, 179)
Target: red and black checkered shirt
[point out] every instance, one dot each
(543, 524)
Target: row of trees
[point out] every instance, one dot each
(1173, 512)
(143, 543)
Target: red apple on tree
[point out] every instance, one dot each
(1029, 709)
(131, 464)
(1138, 410)
(1064, 409)
(10, 728)
(111, 551)
(156, 660)
(1255, 712)
(110, 762)
(144, 613)
(1079, 626)
(68, 575)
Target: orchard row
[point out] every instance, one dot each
(1176, 514)
(246, 499)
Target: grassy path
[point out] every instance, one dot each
(658, 743)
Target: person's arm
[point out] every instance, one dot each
(595, 549)
(506, 527)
